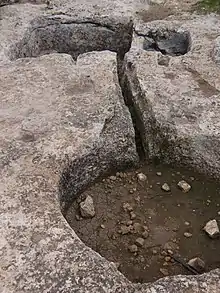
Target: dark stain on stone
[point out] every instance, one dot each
(27, 136)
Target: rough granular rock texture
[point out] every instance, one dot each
(54, 112)
(63, 123)
(177, 97)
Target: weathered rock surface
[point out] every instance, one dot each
(56, 114)
(34, 30)
(177, 101)
(63, 123)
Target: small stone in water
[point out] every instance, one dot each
(187, 223)
(102, 226)
(165, 187)
(141, 177)
(184, 186)
(159, 174)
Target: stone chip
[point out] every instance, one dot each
(87, 208)
(212, 229)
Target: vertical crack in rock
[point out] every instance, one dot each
(136, 118)
(150, 141)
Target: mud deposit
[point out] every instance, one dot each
(163, 218)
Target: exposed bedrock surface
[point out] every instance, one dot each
(63, 124)
(56, 115)
(173, 85)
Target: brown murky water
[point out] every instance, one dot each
(165, 215)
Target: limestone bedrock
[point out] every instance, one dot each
(63, 124)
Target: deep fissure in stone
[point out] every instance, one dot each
(127, 94)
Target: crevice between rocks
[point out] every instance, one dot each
(127, 95)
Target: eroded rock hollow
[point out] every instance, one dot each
(87, 88)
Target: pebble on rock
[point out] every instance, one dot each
(165, 187)
(184, 186)
(139, 241)
(87, 209)
(141, 177)
(197, 263)
(212, 229)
